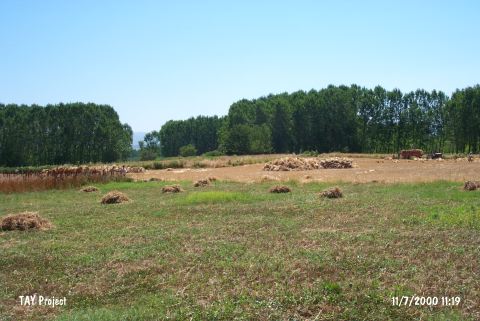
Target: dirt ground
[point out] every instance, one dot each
(367, 170)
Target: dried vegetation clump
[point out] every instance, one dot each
(332, 193)
(280, 189)
(172, 189)
(24, 221)
(114, 197)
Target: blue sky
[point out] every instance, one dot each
(160, 60)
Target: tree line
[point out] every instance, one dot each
(336, 118)
(60, 134)
(201, 132)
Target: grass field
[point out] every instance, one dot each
(235, 251)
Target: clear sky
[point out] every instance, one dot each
(160, 60)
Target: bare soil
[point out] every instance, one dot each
(366, 170)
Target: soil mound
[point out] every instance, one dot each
(114, 197)
(24, 221)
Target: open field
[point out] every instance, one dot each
(234, 251)
(369, 169)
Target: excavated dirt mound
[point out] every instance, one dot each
(280, 189)
(332, 193)
(172, 189)
(89, 189)
(24, 221)
(201, 183)
(305, 164)
(471, 185)
(114, 197)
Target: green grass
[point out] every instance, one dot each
(233, 251)
(215, 197)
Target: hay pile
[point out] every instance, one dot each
(332, 193)
(201, 183)
(172, 189)
(89, 189)
(407, 154)
(305, 164)
(471, 185)
(24, 221)
(135, 169)
(280, 189)
(292, 164)
(114, 197)
(336, 162)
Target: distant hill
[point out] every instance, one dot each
(137, 136)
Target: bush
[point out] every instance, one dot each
(310, 153)
(213, 153)
(188, 150)
(147, 154)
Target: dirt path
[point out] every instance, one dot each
(367, 170)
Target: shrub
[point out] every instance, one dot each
(188, 150)
(147, 154)
(213, 153)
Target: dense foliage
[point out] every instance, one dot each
(201, 132)
(336, 118)
(63, 133)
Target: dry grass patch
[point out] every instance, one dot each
(172, 189)
(24, 221)
(114, 197)
(280, 189)
(89, 189)
(332, 193)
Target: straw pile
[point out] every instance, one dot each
(280, 189)
(114, 197)
(332, 193)
(471, 185)
(172, 189)
(305, 164)
(24, 221)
